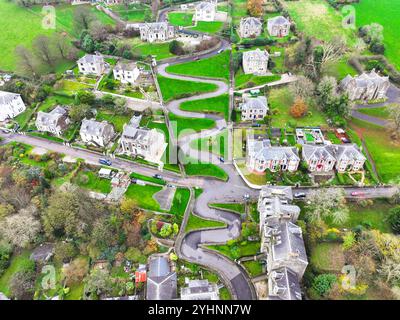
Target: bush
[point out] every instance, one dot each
(324, 283)
(64, 251)
(394, 219)
(5, 255)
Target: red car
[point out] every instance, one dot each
(357, 193)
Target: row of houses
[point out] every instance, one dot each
(251, 27)
(282, 242)
(261, 155)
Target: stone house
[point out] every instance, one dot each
(253, 108)
(205, 11)
(96, 133)
(199, 290)
(319, 158)
(366, 87)
(349, 158)
(255, 62)
(156, 31)
(283, 284)
(11, 105)
(91, 64)
(250, 27)
(126, 72)
(161, 281)
(260, 156)
(55, 121)
(278, 26)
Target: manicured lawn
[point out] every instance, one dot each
(386, 13)
(216, 144)
(281, 99)
(379, 112)
(173, 89)
(218, 104)
(239, 10)
(243, 81)
(214, 67)
(53, 101)
(192, 124)
(384, 151)
(160, 50)
(316, 18)
(143, 195)
(180, 19)
(327, 257)
(205, 170)
(23, 118)
(17, 264)
(196, 222)
(117, 120)
(135, 12)
(339, 69)
(71, 87)
(246, 248)
(236, 207)
(208, 26)
(254, 268)
(94, 182)
(180, 203)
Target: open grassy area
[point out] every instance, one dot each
(316, 18)
(135, 12)
(180, 19)
(327, 257)
(218, 105)
(159, 50)
(216, 144)
(386, 13)
(70, 87)
(143, 195)
(116, 120)
(180, 203)
(384, 151)
(173, 89)
(192, 124)
(245, 248)
(205, 170)
(339, 69)
(379, 112)
(93, 182)
(243, 81)
(196, 222)
(214, 67)
(147, 178)
(208, 26)
(254, 268)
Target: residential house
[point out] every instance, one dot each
(250, 27)
(283, 284)
(253, 108)
(97, 133)
(92, 64)
(255, 62)
(199, 290)
(284, 245)
(55, 121)
(278, 26)
(143, 142)
(126, 72)
(349, 158)
(205, 11)
(366, 87)
(161, 281)
(156, 31)
(319, 158)
(261, 156)
(11, 105)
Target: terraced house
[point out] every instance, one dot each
(349, 158)
(250, 27)
(96, 133)
(156, 31)
(319, 158)
(11, 105)
(255, 62)
(253, 108)
(55, 121)
(92, 64)
(199, 290)
(278, 26)
(126, 72)
(261, 156)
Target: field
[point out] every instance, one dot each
(192, 124)
(243, 81)
(117, 121)
(172, 89)
(196, 222)
(379, 112)
(217, 144)
(327, 257)
(214, 67)
(318, 19)
(204, 170)
(218, 105)
(132, 13)
(143, 195)
(17, 263)
(93, 182)
(208, 26)
(386, 13)
(180, 19)
(235, 207)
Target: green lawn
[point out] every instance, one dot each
(243, 81)
(386, 13)
(208, 26)
(180, 203)
(218, 105)
(192, 124)
(379, 112)
(180, 19)
(246, 248)
(327, 257)
(160, 50)
(70, 87)
(147, 178)
(94, 182)
(196, 222)
(117, 120)
(214, 67)
(254, 268)
(384, 151)
(205, 170)
(133, 13)
(339, 69)
(173, 89)
(217, 144)
(143, 195)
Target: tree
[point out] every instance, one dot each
(175, 47)
(394, 113)
(255, 7)
(82, 17)
(128, 206)
(85, 97)
(26, 62)
(299, 108)
(43, 49)
(120, 105)
(97, 283)
(302, 88)
(76, 271)
(5, 255)
(108, 101)
(394, 219)
(390, 269)
(88, 43)
(135, 255)
(22, 285)
(323, 283)
(327, 203)
(78, 112)
(61, 45)
(64, 251)
(166, 230)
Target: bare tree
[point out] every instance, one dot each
(43, 50)
(61, 45)
(82, 18)
(394, 113)
(26, 61)
(302, 88)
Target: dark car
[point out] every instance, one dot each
(256, 125)
(221, 159)
(133, 180)
(299, 195)
(157, 176)
(106, 162)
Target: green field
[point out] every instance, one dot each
(243, 81)
(94, 182)
(379, 112)
(118, 121)
(327, 257)
(180, 19)
(133, 12)
(173, 89)
(192, 124)
(208, 26)
(143, 195)
(160, 50)
(217, 144)
(214, 67)
(235, 207)
(192, 168)
(386, 13)
(218, 105)
(195, 222)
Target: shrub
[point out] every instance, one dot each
(324, 283)
(394, 219)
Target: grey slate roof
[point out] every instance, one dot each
(93, 128)
(255, 103)
(283, 284)
(125, 66)
(161, 282)
(51, 117)
(251, 21)
(7, 97)
(199, 289)
(91, 58)
(318, 152)
(365, 79)
(3, 297)
(279, 20)
(205, 5)
(256, 54)
(155, 26)
(262, 149)
(349, 152)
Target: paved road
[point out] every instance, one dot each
(374, 120)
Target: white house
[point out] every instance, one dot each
(92, 64)
(97, 133)
(255, 62)
(156, 31)
(278, 26)
(11, 105)
(143, 142)
(349, 158)
(205, 11)
(319, 158)
(250, 27)
(261, 156)
(253, 108)
(55, 121)
(126, 72)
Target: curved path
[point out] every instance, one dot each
(192, 244)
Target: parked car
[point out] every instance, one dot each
(357, 194)
(196, 58)
(221, 159)
(246, 196)
(220, 51)
(133, 180)
(158, 176)
(300, 195)
(106, 162)
(256, 125)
